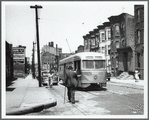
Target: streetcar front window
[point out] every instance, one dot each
(99, 64)
(88, 64)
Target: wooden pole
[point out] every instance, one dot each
(38, 47)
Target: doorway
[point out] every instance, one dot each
(125, 58)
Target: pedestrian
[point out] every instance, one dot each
(137, 76)
(71, 82)
(50, 79)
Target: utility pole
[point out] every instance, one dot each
(33, 61)
(38, 47)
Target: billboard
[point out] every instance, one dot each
(19, 61)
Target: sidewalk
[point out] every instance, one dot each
(130, 83)
(25, 96)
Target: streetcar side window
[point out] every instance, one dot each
(88, 64)
(99, 64)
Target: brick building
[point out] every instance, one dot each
(139, 38)
(48, 56)
(86, 43)
(80, 49)
(122, 44)
(9, 62)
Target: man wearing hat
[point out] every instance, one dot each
(71, 82)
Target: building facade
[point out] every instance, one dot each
(139, 39)
(80, 49)
(87, 43)
(49, 54)
(9, 62)
(107, 43)
(19, 55)
(99, 40)
(122, 44)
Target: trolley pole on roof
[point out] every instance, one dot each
(68, 46)
(36, 7)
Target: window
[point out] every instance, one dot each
(138, 36)
(88, 64)
(109, 34)
(86, 44)
(103, 36)
(109, 47)
(117, 29)
(142, 36)
(99, 64)
(103, 49)
(117, 44)
(138, 59)
(97, 41)
(123, 26)
(138, 15)
(93, 41)
(109, 52)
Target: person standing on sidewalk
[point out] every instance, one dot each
(137, 76)
(51, 79)
(71, 82)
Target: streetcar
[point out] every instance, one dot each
(90, 65)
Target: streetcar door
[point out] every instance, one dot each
(78, 71)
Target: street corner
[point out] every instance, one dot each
(37, 107)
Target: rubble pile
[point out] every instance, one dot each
(125, 76)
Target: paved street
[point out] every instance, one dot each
(112, 100)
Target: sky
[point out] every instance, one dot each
(58, 21)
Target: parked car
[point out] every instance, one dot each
(55, 78)
(44, 77)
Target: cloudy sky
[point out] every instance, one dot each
(58, 21)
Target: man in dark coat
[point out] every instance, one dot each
(71, 82)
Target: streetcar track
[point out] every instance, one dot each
(126, 85)
(61, 95)
(74, 105)
(118, 93)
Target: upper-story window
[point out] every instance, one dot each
(103, 49)
(103, 36)
(97, 41)
(117, 29)
(93, 41)
(109, 34)
(123, 26)
(138, 15)
(117, 44)
(86, 44)
(138, 36)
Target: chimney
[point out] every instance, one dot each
(49, 44)
(52, 44)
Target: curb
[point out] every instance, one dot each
(128, 85)
(37, 108)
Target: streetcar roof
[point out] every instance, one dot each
(83, 56)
